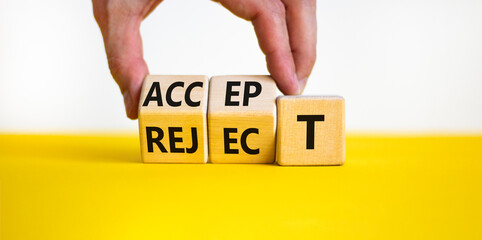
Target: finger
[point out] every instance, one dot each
(123, 45)
(150, 7)
(127, 65)
(301, 22)
(272, 32)
(269, 21)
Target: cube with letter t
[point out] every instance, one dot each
(242, 119)
(172, 119)
(311, 130)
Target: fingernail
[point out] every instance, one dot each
(302, 85)
(127, 102)
(295, 81)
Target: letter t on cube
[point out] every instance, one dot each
(311, 130)
(172, 119)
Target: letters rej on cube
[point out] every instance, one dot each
(172, 119)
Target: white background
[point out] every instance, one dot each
(413, 65)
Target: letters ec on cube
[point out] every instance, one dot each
(242, 119)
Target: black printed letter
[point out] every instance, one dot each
(248, 94)
(244, 145)
(169, 100)
(173, 140)
(188, 94)
(157, 140)
(230, 93)
(155, 87)
(228, 141)
(193, 149)
(310, 128)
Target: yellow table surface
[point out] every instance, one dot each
(95, 187)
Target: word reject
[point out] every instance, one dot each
(243, 119)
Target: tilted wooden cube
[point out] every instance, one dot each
(311, 130)
(242, 119)
(172, 119)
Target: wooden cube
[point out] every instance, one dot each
(311, 130)
(172, 119)
(242, 119)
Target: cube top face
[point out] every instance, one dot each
(311, 130)
(174, 93)
(237, 93)
(242, 119)
(172, 119)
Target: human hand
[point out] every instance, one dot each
(286, 31)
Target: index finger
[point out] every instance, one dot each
(301, 22)
(271, 29)
(269, 21)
